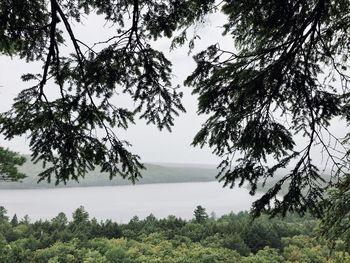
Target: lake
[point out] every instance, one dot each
(121, 203)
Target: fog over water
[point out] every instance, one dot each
(121, 203)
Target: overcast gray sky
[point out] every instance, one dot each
(148, 142)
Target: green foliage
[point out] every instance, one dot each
(335, 222)
(200, 215)
(9, 162)
(3, 212)
(266, 255)
(228, 239)
(14, 220)
(283, 49)
(63, 130)
(23, 29)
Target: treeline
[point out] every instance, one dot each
(151, 175)
(205, 239)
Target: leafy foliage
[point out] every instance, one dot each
(169, 240)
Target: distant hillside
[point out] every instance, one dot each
(155, 173)
(285, 187)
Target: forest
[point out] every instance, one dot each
(204, 239)
(269, 103)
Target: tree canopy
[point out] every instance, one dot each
(232, 238)
(285, 76)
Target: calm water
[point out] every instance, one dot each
(121, 203)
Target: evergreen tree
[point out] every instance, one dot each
(281, 80)
(9, 161)
(200, 215)
(61, 128)
(81, 225)
(60, 221)
(14, 220)
(3, 214)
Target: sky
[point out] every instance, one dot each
(147, 141)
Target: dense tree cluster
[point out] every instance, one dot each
(230, 238)
(200, 215)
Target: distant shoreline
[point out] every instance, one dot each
(107, 186)
(154, 174)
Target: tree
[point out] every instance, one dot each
(335, 222)
(81, 225)
(286, 76)
(14, 220)
(3, 216)
(62, 129)
(280, 82)
(61, 220)
(200, 215)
